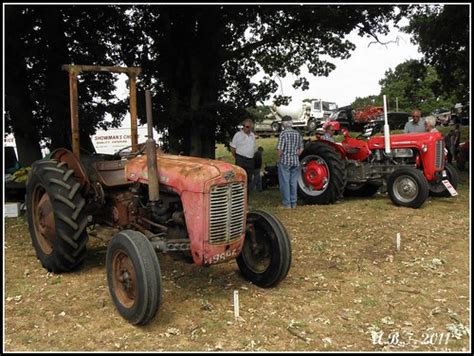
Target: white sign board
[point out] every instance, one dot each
(105, 141)
(111, 140)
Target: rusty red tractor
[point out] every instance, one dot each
(413, 167)
(160, 203)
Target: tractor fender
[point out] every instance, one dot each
(337, 147)
(64, 155)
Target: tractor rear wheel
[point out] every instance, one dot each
(323, 175)
(438, 189)
(56, 217)
(133, 276)
(265, 258)
(408, 187)
(360, 190)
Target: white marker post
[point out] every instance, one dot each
(398, 241)
(236, 305)
(386, 128)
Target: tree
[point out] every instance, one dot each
(198, 60)
(39, 40)
(415, 86)
(371, 100)
(442, 33)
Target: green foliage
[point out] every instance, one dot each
(39, 40)
(258, 113)
(373, 100)
(415, 86)
(197, 60)
(442, 33)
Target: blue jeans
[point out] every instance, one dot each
(288, 181)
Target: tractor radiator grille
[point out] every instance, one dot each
(226, 213)
(439, 158)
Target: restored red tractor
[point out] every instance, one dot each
(160, 202)
(413, 167)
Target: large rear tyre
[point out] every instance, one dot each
(265, 258)
(323, 175)
(133, 276)
(438, 189)
(408, 187)
(56, 217)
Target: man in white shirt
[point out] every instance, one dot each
(243, 148)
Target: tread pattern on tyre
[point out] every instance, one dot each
(147, 268)
(69, 246)
(423, 187)
(337, 171)
(275, 273)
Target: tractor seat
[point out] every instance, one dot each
(111, 173)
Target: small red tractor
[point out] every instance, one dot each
(412, 166)
(159, 202)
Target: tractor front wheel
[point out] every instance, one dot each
(266, 255)
(133, 276)
(56, 217)
(437, 189)
(408, 187)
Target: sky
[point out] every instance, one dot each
(357, 76)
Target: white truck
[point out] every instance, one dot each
(307, 115)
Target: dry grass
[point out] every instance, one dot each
(347, 284)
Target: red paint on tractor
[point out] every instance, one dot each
(316, 175)
(191, 178)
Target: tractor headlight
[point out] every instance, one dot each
(424, 147)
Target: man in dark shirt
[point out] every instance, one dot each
(257, 179)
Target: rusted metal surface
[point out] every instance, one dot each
(121, 205)
(124, 278)
(133, 111)
(153, 184)
(192, 178)
(74, 71)
(78, 68)
(43, 220)
(74, 113)
(111, 173)
(73, 162)
(142, 219)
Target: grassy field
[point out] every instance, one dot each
(348, 289)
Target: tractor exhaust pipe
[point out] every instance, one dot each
(386, 127)
(150, 145)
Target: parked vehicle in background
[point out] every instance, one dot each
(413, 168)
(396, 120)
(306, 116)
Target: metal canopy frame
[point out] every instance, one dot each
(74, 71)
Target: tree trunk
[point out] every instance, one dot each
(17, 98)
(57, 86)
